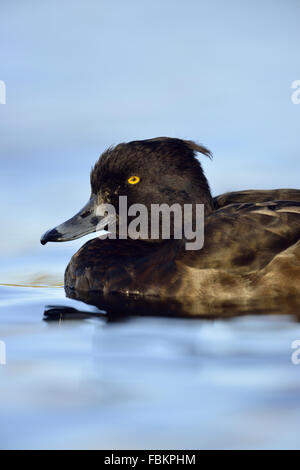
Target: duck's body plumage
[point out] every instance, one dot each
(251, 244)
(256, 196)
(241, 240)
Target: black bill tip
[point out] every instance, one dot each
(50, 236)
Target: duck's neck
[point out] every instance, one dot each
(202, 194)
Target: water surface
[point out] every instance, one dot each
(128, 382)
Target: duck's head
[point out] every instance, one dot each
(152, 171)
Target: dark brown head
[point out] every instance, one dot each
(152, 171)
(168, 169)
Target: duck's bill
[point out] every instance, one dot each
(86, 221)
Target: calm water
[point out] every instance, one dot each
(134, 382)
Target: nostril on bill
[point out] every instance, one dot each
(85, 214)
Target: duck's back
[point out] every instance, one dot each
(256, 195)
(245, 237)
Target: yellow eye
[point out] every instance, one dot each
(133, 179)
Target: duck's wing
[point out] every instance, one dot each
(256, 195)
(245, 237)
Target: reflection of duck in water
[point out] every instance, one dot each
(251, 245)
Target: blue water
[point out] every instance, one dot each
(144, 382)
